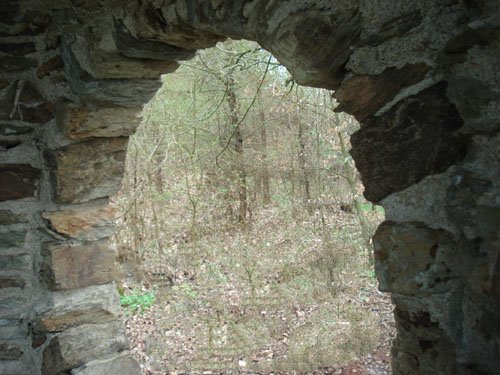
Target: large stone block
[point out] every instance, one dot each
(122, 364)
(410, 259)
(69, 266)
(88, 170)
(96, 304)
(87, 223)
(18, 181)
(132, 93)
(79, 345)
(80, 122)
(412, 140)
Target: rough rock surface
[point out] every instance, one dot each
(422, 76)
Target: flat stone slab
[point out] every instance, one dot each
(69, 266)
(83, 223)
(96, 304)
(79, 345)
(122, 364)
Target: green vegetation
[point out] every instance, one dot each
(137, 302)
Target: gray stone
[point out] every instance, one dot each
(12, 238)
(7, 217)
(10, 351)
(130, 46)
(16, 368)
(15, 262)
(122, 364)
(10, 304)
(79, 345)
(12, 329)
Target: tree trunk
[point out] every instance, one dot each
(302, 162)
(264, 175)
(237, 141)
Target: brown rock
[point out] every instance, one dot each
(88, 170)
(83, 223)
(76, 266)
(96, 304)
(363, 95)
(78, 122)
(76, 346)
(18, 181)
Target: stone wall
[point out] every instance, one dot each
(421, 77)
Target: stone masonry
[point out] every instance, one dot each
(422, 77)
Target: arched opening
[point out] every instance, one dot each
(243, 219)
(421, 78)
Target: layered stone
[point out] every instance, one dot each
(68, 266)
(86, 223)
(95, 304)
(80, 122)
(88, 170)
(79, 345)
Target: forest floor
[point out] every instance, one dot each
(290, 294)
